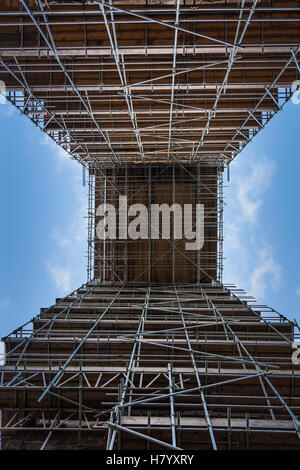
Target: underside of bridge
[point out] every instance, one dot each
(154, 99)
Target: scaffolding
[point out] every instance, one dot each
(152, 261)
(145, 83)
(154, 351)
(177, 367)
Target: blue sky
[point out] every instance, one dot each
(43, 229)
(261, 218)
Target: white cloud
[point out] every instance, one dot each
(70, 241)
(61, 276)
(60, 154)
(7, 109)
(250, 261)
(5, 303)
(71, 237)
(267, 273)
(251, 183)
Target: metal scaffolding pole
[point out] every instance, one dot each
(202, 396)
